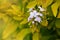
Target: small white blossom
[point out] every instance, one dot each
(38, 19)
(31, 15)
(29, 19)
(41, 9)
(34, 11)
(31, 9)
(40, 14)
(34, 14)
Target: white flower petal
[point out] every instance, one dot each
(39, 7)
(38, 19)
(29, 19)
(38, 13)
(30, 9)
(34, 11)
(41, 14)
(42, 9)
(35, 15)
(31, 15)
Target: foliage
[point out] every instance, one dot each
(14, 24)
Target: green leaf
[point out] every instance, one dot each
(21, 4)
(12, 36)
(45, 37)
(23, 33)
(2, 26)
(4, 4)
(58, 14)
(10, 28)
(31, 4)
(44, 31)
(46, 3)
(50, 13)
(58, 31)
(55, 8)
(36, 36)
(4, 17)
(18, 18)
(44, 23)
(57, 23)
(28, 37)
(24, 21)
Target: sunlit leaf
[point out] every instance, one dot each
(23, 33)
(38, 2)
(4, 17)
(44, 23)
(2, 26)
(18, 18)
(1, 15)
(58, 15)
(12, 36)
(24, 1)
(46, 3)
(4, 4)
(24, 21)
(55, 8)
(10, 28)
(15, 10)
(36, 36)
(31, 4)
(34, 28)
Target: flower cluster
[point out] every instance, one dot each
(36, 15)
